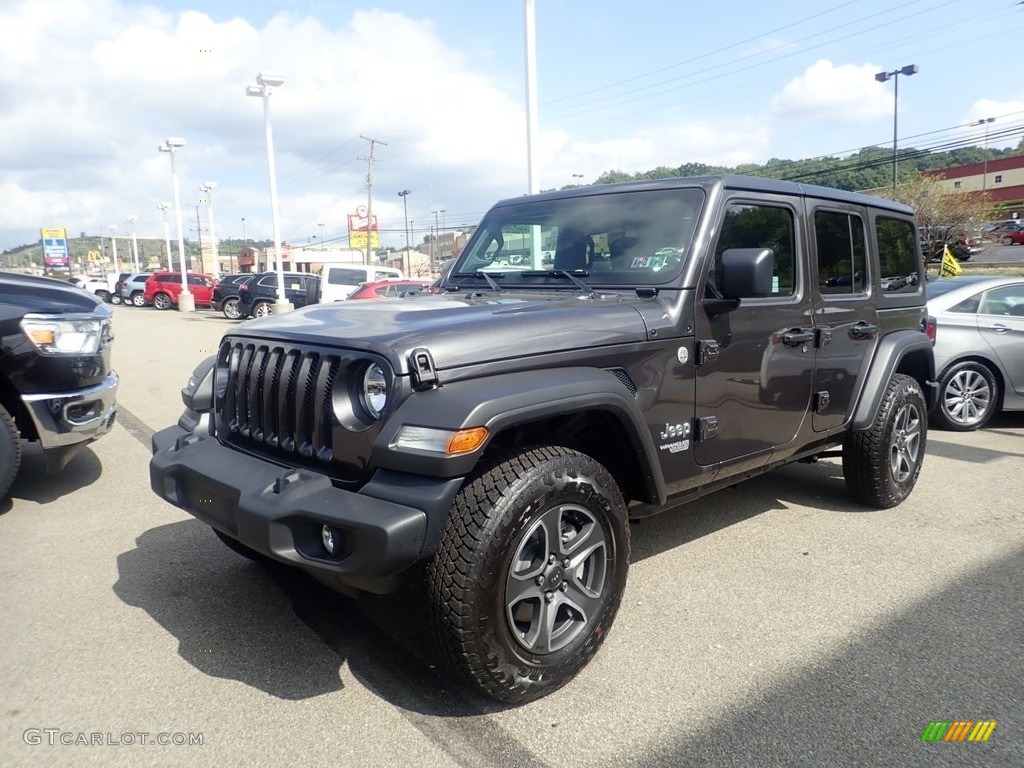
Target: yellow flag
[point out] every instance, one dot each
(950, 266)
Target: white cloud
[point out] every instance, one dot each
(830, 94)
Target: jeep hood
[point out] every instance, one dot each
(460, 329)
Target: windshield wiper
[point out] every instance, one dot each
(564, 273)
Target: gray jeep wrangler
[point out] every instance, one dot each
(599, 354)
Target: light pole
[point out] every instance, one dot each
(244, 246)
(265, 85)
(532, 128)
(910, 69)
(208, 188)
(321, 226)
(113, 243)
(186, 301)
(984, 178)
(135, 243)
(404, 194)
(580, 177)
(167, 235)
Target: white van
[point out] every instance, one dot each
(338, 281)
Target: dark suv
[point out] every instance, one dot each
(256, 297)
(225, 294)
(56, 384)
(598, 355)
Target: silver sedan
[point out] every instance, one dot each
(979, 352)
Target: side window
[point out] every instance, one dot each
(839, 238)
(897, 255)
(1004, 301)
(760, 226)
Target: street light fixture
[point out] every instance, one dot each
(265, 85)
(208, 188)
(984, 178)
(167, 236)
(580, 177)
(910, 69)
(135, 243)
(186, 301)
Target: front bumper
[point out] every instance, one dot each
(65, 419)
(381, 531)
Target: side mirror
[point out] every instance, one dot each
(745, 273)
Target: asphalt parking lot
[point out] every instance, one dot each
(776, 623)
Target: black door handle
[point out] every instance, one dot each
(797, 337)
(863, 330)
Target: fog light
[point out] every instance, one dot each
(327, 537)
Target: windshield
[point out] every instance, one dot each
(633, 238)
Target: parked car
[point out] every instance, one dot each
(338, 281)
(57, 386)
(494, 441)
(383, 289)
(961, 243)
(133, 289)
(102, 289)
(979, 351)
(163, 289)
(1010, 236)
(999, 229)
(225, 294)
(256, 297)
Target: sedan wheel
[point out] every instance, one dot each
(138, 300)
(1006, 241)
(968, 395)
(230, 309)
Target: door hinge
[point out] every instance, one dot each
(421, 366)
(707, 427)
(707, 350)
(824, 337)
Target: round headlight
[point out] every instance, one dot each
(375, 390)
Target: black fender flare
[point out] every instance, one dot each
(507, 400)
(891, 352)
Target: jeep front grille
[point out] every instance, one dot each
(278, 400)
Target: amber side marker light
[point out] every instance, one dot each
(466, 440)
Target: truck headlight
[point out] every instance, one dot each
(68, 335)
(374, 390)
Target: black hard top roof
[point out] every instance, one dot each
(723, 181)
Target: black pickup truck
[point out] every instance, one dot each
(56, 383)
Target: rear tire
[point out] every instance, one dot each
(968, 397)
(262, 309)
(10, 451)
(104, 296)
(230, 309)
(530, 572)
(138, 299)
(162, 301)
(881, 464)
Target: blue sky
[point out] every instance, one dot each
(90, 89)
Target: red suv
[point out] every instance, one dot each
(162, 289)
(381, 289)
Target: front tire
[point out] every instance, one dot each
(881, 464)
(103, 296)
(530, 572)
(968, 397)
(10, 451)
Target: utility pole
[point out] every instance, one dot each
(369, 194)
